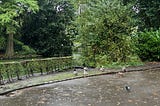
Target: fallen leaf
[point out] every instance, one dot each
(118, 103)
(154, 93)
(155, 98)
(144, 102)
(130, 101)
(40, 102)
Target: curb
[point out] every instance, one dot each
(79, 77)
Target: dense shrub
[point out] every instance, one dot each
(22, 49)
(11, 70)
(148, 45)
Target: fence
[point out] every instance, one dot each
(27, 68)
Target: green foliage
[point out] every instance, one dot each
(11, 10)
(46, 30)
(22, 49)
(149, 14)
(148, 45)
(104, 28)
(2, 42)
(10, 70)
(118, 65)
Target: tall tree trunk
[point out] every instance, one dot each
(10, 49)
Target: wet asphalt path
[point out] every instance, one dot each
(105, 90)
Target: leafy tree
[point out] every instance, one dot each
(148, 13)
(104, 29)
(46, 30)
(10, 11)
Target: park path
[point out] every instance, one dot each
(62, 76)
(104, 90)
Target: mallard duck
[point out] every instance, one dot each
(127, 88)
(85, 71)
(124, 69)
(102, 69)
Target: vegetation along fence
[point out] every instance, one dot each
(27, 68)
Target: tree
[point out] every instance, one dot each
(47, 30)
(104, 30)
(148, 13)
(10, 12)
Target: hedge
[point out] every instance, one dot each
(11, 70)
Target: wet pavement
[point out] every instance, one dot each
(105, 90)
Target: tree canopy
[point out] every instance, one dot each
(149, 13)
(104, 30)
(47, 29)
(10, 12)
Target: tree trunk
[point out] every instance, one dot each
(10, 49)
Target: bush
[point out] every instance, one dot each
(22, 49)
(148, 45)
(10, 70)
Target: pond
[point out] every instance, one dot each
(106, 90)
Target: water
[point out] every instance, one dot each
(107, 90)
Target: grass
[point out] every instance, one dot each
(45, 80)
(120, 65)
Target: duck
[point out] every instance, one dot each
(102, 69)
(85, 71)
(124, 69)
(127, 88)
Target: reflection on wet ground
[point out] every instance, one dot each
(107, 90)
